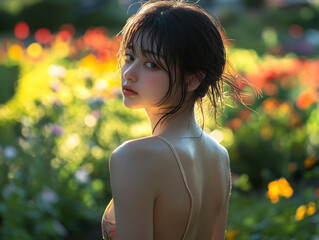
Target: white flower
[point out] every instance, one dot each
(56, 71)
(73, 141)
(82, 175)
(10, 152)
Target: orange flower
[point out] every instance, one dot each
(270, 105)
(279, 188)
(309, 162)
(306, 98)
(234, 124)
(305, 210)
(231, 234)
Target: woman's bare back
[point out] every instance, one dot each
(206, 167)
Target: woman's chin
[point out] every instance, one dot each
(131, 104)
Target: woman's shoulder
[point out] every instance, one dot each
(138, 162)
(137, 146)
(144, 152)
(216, 147)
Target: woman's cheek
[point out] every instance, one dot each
(157, 84)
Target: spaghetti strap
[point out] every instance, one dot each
(185, 181)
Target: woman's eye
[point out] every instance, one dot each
(150, 65)
(128, 57)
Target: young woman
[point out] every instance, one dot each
(176, 183)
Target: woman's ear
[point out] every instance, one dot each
(194, 81)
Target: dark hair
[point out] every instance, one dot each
(187, 39)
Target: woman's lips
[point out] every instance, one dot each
(128, 91)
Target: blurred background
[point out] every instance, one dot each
(61, 115)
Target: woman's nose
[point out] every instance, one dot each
(130, 72)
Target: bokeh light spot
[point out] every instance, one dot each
(43, 35)
(15, 52)
(69, 28)
(34, 50)
(295, 31)
(305, 99)
(21, 30)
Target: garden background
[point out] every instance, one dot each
(61, 115)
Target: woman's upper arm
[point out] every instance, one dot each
(221, 224)
(220, 227)
(133, 192)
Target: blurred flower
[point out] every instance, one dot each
(21, 30)
(49, 196)
(73, 140)
(234, 124)
(59, 228)
(90, 120)
(270, 105)
(295, 31)
(55, 86)
(64, 36)
(231, 234)
(306, 98)
(43, 35)
(97, 152)
(305, 210)
(34, 50)
(69, 28)
(279, 188)
(270, 89)
(317, 192)
(10, 152)
(15, 52)
(309, 162)
(57, 71)
(82, 175)
(311, 210)
(101, 84)
(60, 48)
(56, 129)
(301, 212)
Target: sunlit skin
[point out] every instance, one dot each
(150, 199)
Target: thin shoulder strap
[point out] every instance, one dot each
(185, 181)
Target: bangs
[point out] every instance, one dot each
(147, 41)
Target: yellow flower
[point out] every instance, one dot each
(311, 210)
(305, 210)
(279, 188)
(231, 234)
(301, 212)
(15, 52)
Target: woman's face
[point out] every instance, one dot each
(148, 79)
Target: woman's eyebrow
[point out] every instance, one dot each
(151, 53)
(146, 52)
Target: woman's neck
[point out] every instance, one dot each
(182, 123)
